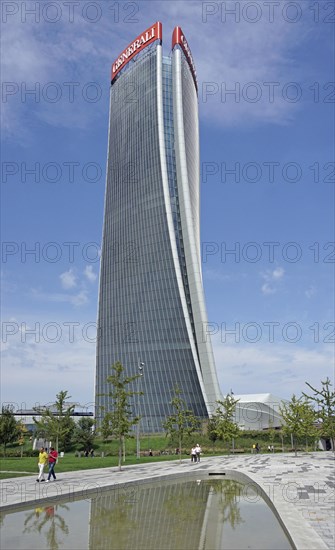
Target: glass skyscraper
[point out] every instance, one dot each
(151, 303)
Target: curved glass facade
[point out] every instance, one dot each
(145, 300)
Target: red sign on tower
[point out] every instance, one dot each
(142, 41)
(178, 37)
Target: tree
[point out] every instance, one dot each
(119, 421)
(325, 401)
(211, 429)
(298, 417)
(225, 428)
(272, 434)
(229, 492)
(8, 426)
(83, 433)
(49, 521)
(56, 423)
(22, 432)
(182, 421)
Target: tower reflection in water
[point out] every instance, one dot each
(206, 514)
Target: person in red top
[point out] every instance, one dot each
(52, 461)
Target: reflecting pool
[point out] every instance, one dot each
(206, 514)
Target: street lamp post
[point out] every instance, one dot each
(140, 372)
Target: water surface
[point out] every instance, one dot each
(206, 514)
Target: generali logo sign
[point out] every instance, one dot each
(142, 41)
(178, 37)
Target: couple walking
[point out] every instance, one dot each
(195, 453)
(45, 458)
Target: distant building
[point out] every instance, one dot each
(258, 411)
(26, 416)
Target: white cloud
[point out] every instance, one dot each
(4, 346)
(234, 53)
(89, 273)
(78, 299)
(271, 277)
(310, 292)
(7, 284)
(67, 364)
(281, 369)
(228, 55)
(278, 273)
(267, 289)
(66, 61)
(213, 274)
(68, 279)
(57, 350)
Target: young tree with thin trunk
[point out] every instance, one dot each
(324, 400)
(299, 419)
(22, 432)
(182, 422)
(56, 422)
(272, 434)
(224, 426)
(119, 421)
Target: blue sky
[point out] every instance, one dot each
(266, 105)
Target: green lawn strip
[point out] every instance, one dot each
(9, 475)
(12, 467)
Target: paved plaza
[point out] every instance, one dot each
(300, 488)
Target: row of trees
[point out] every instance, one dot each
(309, 416)
(11, 431)
(54, 424)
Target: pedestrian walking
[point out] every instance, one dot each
(42, 461)
(53, 455)
(193, 455)
(197, 452)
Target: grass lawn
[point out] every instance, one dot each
(5, 475)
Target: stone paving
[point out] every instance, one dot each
(301, 489)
